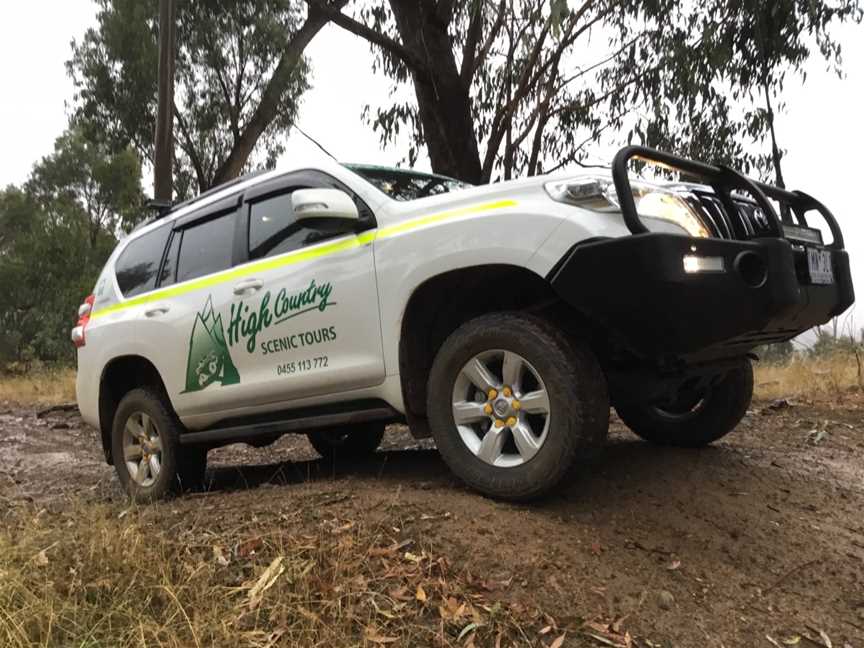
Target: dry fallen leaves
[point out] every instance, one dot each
(372, 634)
(248, 547)
(265, 582)
(558, 642)
(451, 610)
(219, 556)
(607, 635)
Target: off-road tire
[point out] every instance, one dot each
(150, 402)
(720, 412)
(576, 388)
(357, 440)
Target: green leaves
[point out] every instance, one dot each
(227, 54)
(550, 79)
(55, 235)
(719, 86)
(85, 180)
(557, 11)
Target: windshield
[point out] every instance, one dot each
(407, 185)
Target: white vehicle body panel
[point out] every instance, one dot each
(371, 279)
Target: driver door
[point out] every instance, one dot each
(303, 320)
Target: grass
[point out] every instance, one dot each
(42, 387)
(93, 575)
(831, 376)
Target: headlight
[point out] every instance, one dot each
(652, 201)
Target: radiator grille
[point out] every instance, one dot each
(741, 220)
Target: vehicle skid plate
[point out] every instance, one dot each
(644, 289)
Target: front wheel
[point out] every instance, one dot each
(512, 403)
(695, 419)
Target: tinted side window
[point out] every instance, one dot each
(138, 265)
(206, 248)
(273, 228)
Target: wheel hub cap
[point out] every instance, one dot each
(142, 449)
(501, 408)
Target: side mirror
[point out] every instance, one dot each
(323, 203)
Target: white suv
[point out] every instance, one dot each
(501, 320)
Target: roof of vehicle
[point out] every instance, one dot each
(251, 179)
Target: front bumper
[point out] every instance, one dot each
(636, 288)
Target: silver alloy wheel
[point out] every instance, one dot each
(142, 449)
(501, 408)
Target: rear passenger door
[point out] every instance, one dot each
(304, 319)
(186, 324)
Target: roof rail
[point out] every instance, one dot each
(216, 189)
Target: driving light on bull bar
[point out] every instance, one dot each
(695, 264)
(652, 201)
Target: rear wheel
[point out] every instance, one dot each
(144, 445)
(351, 440)
(696, 418)
(512, 403)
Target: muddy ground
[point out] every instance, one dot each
(756, 541)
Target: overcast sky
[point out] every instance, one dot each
(822, 129)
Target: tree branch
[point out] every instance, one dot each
(271, 97)
(190, 149)
(469, 49)
(367, 33)
(490, 38)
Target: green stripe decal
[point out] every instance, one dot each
(299, 256)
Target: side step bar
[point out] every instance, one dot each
(362, 412)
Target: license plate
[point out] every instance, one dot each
(819, 263)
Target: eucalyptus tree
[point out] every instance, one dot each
(714, 85)
(507, 86)
(56, 233)
(483, 72)
(240, 75)
(86, 184)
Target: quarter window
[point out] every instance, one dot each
(138, 265)
(206, 248)
(274, 229)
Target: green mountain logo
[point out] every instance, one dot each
(209, 360)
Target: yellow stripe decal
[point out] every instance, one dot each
(299, 256)
(393, 230)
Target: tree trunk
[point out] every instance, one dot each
(776, 156)
(271, 99)
(442, 97)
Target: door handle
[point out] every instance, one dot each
(155, 311)
(248, 286)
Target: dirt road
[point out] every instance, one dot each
(757, 541)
